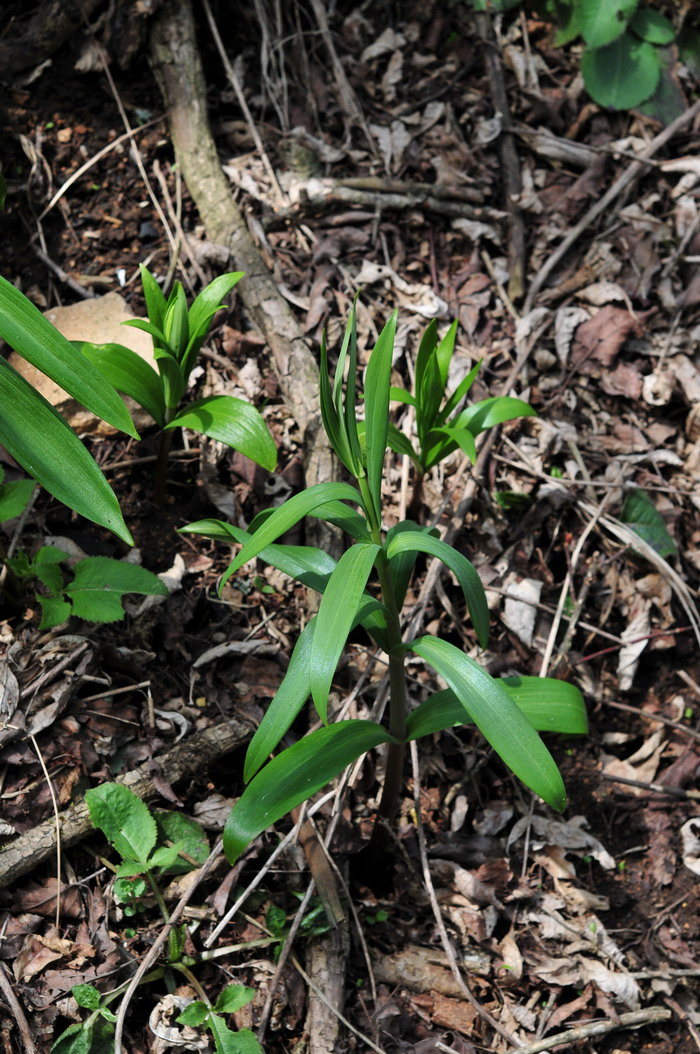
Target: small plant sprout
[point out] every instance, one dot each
(366, 587)
(442, 423)
(178, 333)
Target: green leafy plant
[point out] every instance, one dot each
(640, 513)
(95, 591)
(178, 333)
(626, 57)
(36, 436)
(443, 424)
(366, 587)
(14, 496)
(152, 846)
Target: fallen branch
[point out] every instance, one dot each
(635, 1019)
(187, 758)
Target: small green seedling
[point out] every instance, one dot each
(367, 587)
(95, 591)
(14, 496)
(443, 425)
(640, 513)
(152, 846)
(178, 333)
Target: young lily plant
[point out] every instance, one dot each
(367, 587)
(178, 333)
(442, 424)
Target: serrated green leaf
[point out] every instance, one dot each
(640, 513)
(603, 21)
(231, 421)
(549, 706)
(129, 374)
(54, 611)
(14, 498)
(498, 718)
(463, 569)
(286, 516)
(124, 819)
(233, 997)
(39, 439)
(652, 26)
(194, 1014)
(623, 74)
(295, 775)
(336, 614)
(33, 337)
(376, 392)
(77, 1039)
(86, 995)
(100, 583)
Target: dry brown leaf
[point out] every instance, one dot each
(446, 1012)
(602, 336)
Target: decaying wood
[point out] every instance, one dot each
(50, 27)
(178, 70)
(326, 964)
(188, 757)
(634, 1019)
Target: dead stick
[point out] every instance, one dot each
(635, 1019)
(631, 173)
(188, 757)
(15, 1007)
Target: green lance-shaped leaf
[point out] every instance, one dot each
(295, 775)
(231, 421)
(177, 325)
(129, 374)
(458, 394)
(48, 449)
(334, 421)
(100, 583)
(172, 378)
(341, 600)
(489, 412)
(498, 718)
(160, 341)
(345, 518)
(425, 351)
(400, 443)
(548, 704)
(400, 395)
(306, 564)
(377, 384)
(33, 337)
(467, 576)
(286, 516)
(156, 303)
(203, 309)
(402, 562)
(440, 442)
(124, 819)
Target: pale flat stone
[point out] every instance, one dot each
(97, 320)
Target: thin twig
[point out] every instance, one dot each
(631, 173)
(57, 819)
(657, 788)
(437, 914)
(652, 717)
(15, 1007)
(635, 1019)
(53, 671)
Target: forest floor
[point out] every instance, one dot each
(388, 179)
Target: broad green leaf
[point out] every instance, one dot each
(124, 819)
(652, 26)
(45, 566)
(14, 498)
(495, 411)
(603, 21)
(429, 396)
(228, 1042)
(183, 830)
(54, 611)
(165, 857)
(294, 776)
(463, 569)
(402, 562)
(549, 706)
(308, 565)
(640, 513)
(444, 353)
(129, 374)
(286, 516)
(33, 337)
(347, 519)
(39, 439)
(336, 614)
(194, 1014)
(77, 1039)
(203, 309)
(377, 383)
(100, 583)
(231, 421)
(153, 295)
(440, 443)
(400, 395)
(623, 74)
(569, 24)
(233, 997)
(498, 718)
(400, 443)
(329, 414)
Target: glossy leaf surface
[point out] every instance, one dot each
(231, 421)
